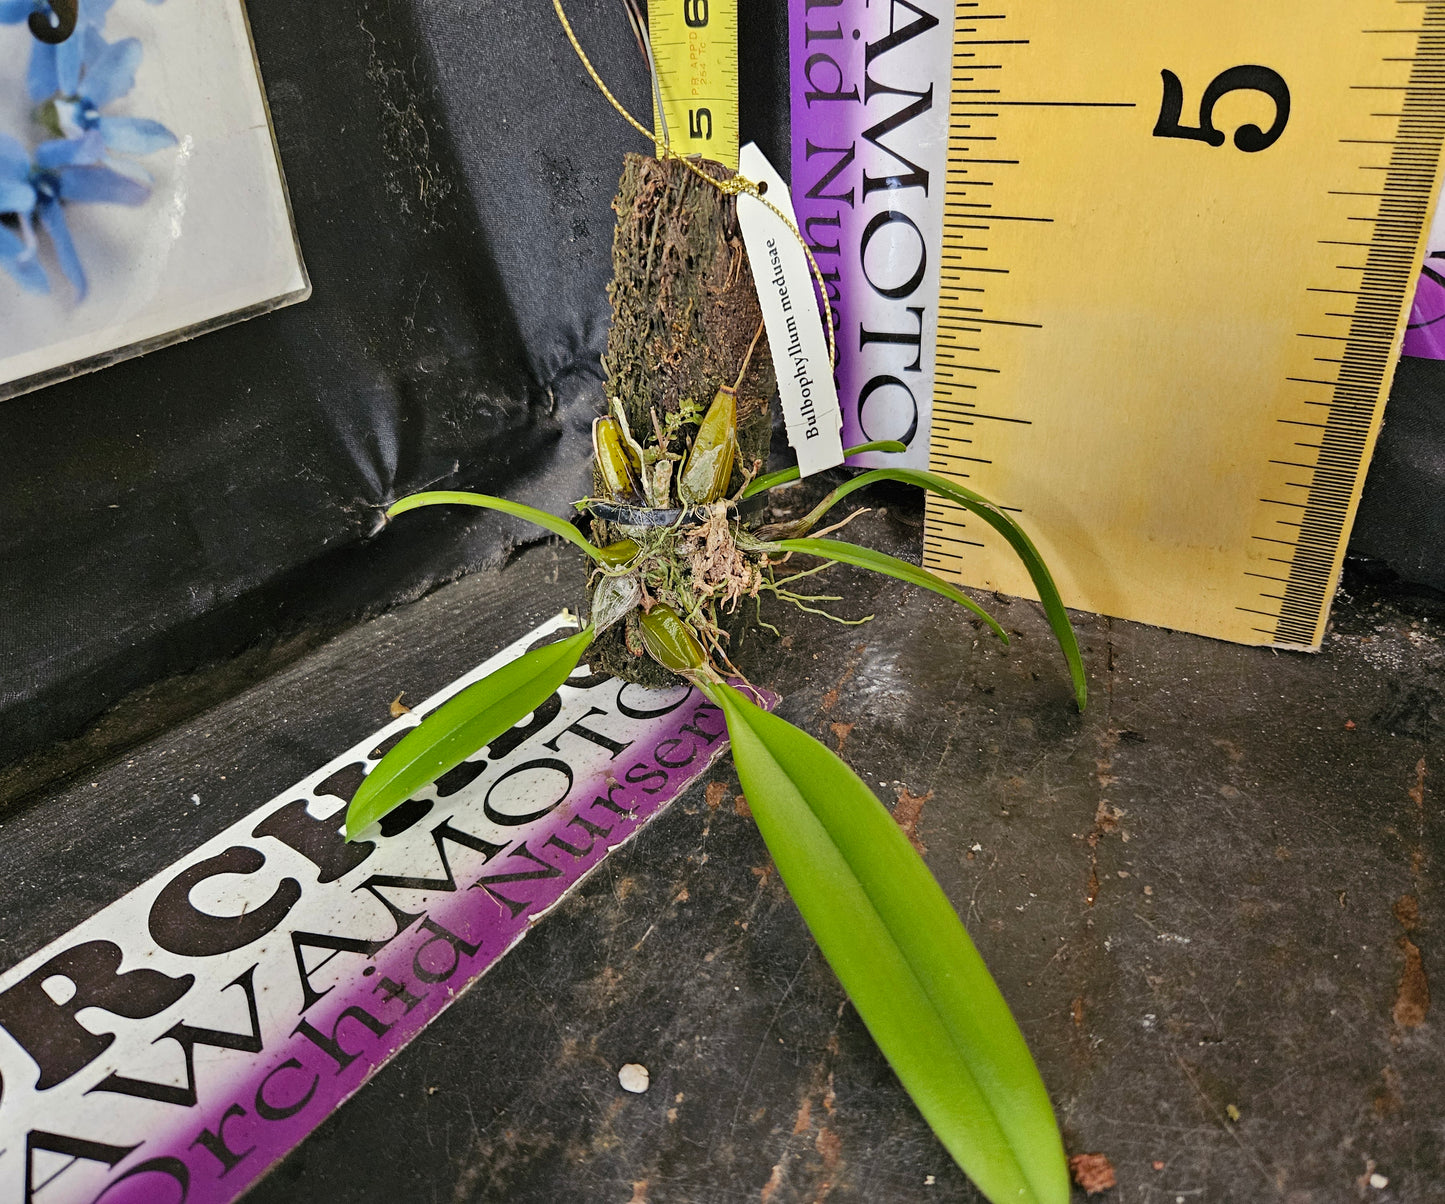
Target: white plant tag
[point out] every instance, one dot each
(790, 311)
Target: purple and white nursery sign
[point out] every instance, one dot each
(870, 86)
(1425, 328)
(178, 1043)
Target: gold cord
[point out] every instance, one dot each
(733, 186)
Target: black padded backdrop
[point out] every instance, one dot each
(1402, 514)
(451, 170)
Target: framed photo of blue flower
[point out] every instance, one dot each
(142, 199)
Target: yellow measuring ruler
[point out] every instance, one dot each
(1179, 247)
(695, 48)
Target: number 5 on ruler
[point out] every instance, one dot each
(695, 45)
(1236, 79)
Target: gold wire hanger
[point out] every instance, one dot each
(734, 185)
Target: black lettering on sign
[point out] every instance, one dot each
(459, 777)
(517, 906)
(344, 782)
(815, 242)
(578, 728)
(173, 1168)
(215, 1141)
(318, 840)
(179, 926)
(810, 35)
(897, 35)
(448, 940)
(188, 1036)
(914, 176)
(513, 819)
(886, 381)
(68, 1147)
(410, 813)
(331, 1045)
(695, 727)
(337, 944)
(268, 1109)
(49, 1031)
(846, 155)
(914, 340)
(696, 118)
(668, 749)
(606, 800)
(447, 883)
(694, 13)
(388, 988)
(1248, 137)
(586, 681)
(645, 712)
(834, 90)
(893, 255)
(577, 852)
(833, 288)
(641, 773)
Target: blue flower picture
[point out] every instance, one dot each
(140, 192)
(90, 161)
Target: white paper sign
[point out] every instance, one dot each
(870, 157)
(176, 1044)
(790, 310)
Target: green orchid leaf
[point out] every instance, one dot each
(784, 475)
(451, 497)
(881, 562)
(902, 954)
(1002, 522)
(450, 734)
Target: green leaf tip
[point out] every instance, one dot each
(892, 566)
(452, 497)
(1002, 522)
(472, 718)
(902, 954)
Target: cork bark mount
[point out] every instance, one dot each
(684, 311)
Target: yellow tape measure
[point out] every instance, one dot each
(1179, 246)
(695, 47)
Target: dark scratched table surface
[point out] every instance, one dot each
(1213, 901)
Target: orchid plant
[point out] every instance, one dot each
(673, 555)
